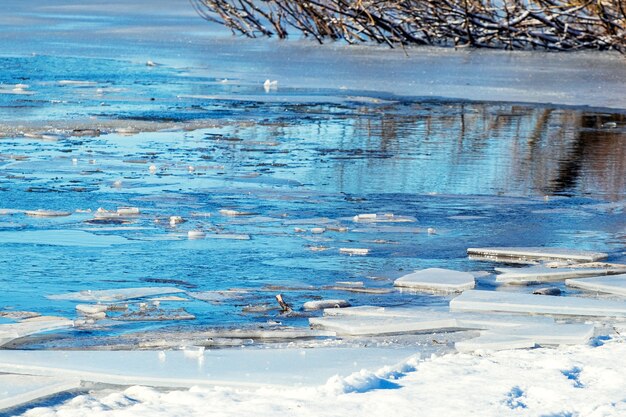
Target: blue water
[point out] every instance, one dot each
(480, 174)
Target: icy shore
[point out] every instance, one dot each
(151, 155)
(566, 381)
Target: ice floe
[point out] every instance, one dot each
(226, 367)
(536, 253)
(354, 251)
(436, 280)
(476, 321)
(528, 336)
(379, 325)
(547, 273)
(615, 284)
(46, 213)
(485, 301)
(382, 218)
(114, 295)
(20, 389)
(12, 331)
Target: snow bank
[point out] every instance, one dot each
(568, 381)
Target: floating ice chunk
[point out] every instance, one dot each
(174, 220)
(9, 332)
(474, 300)
(115, 295)
(463, 320)
(151, 63)
(19, 315)
(361, 217)
(46, 213)
(354, 251)
(382, 218)
(152, 169)
(615, 284)
(437, 280)
(223, 367)
(127, 130)
(20, 389)
(537, 253)
(529, 336)
(322, 304)
(90, 309)
(78, 83)
(378, 325)
(545, 273)
(127, 211)
(196, 234)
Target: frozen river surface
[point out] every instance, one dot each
(141, 154)
(88, 126)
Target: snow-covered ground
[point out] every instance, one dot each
(568, 381)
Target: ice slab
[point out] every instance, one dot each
(538, 253)
(230, 367)
(12, 331)
(437, 280)
(484, 301)
(463, 320)
(615, 284)
(20, 389)
(529, 336)
(542, 273)
(122, 294)
(46, 213)
(494, 342)
(378, 325)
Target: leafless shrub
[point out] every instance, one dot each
(510, 24)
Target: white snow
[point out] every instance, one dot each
(538, 253)
(584, 380)
(484, 301)
(121, 294)
(437, 279)
(615, 284)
